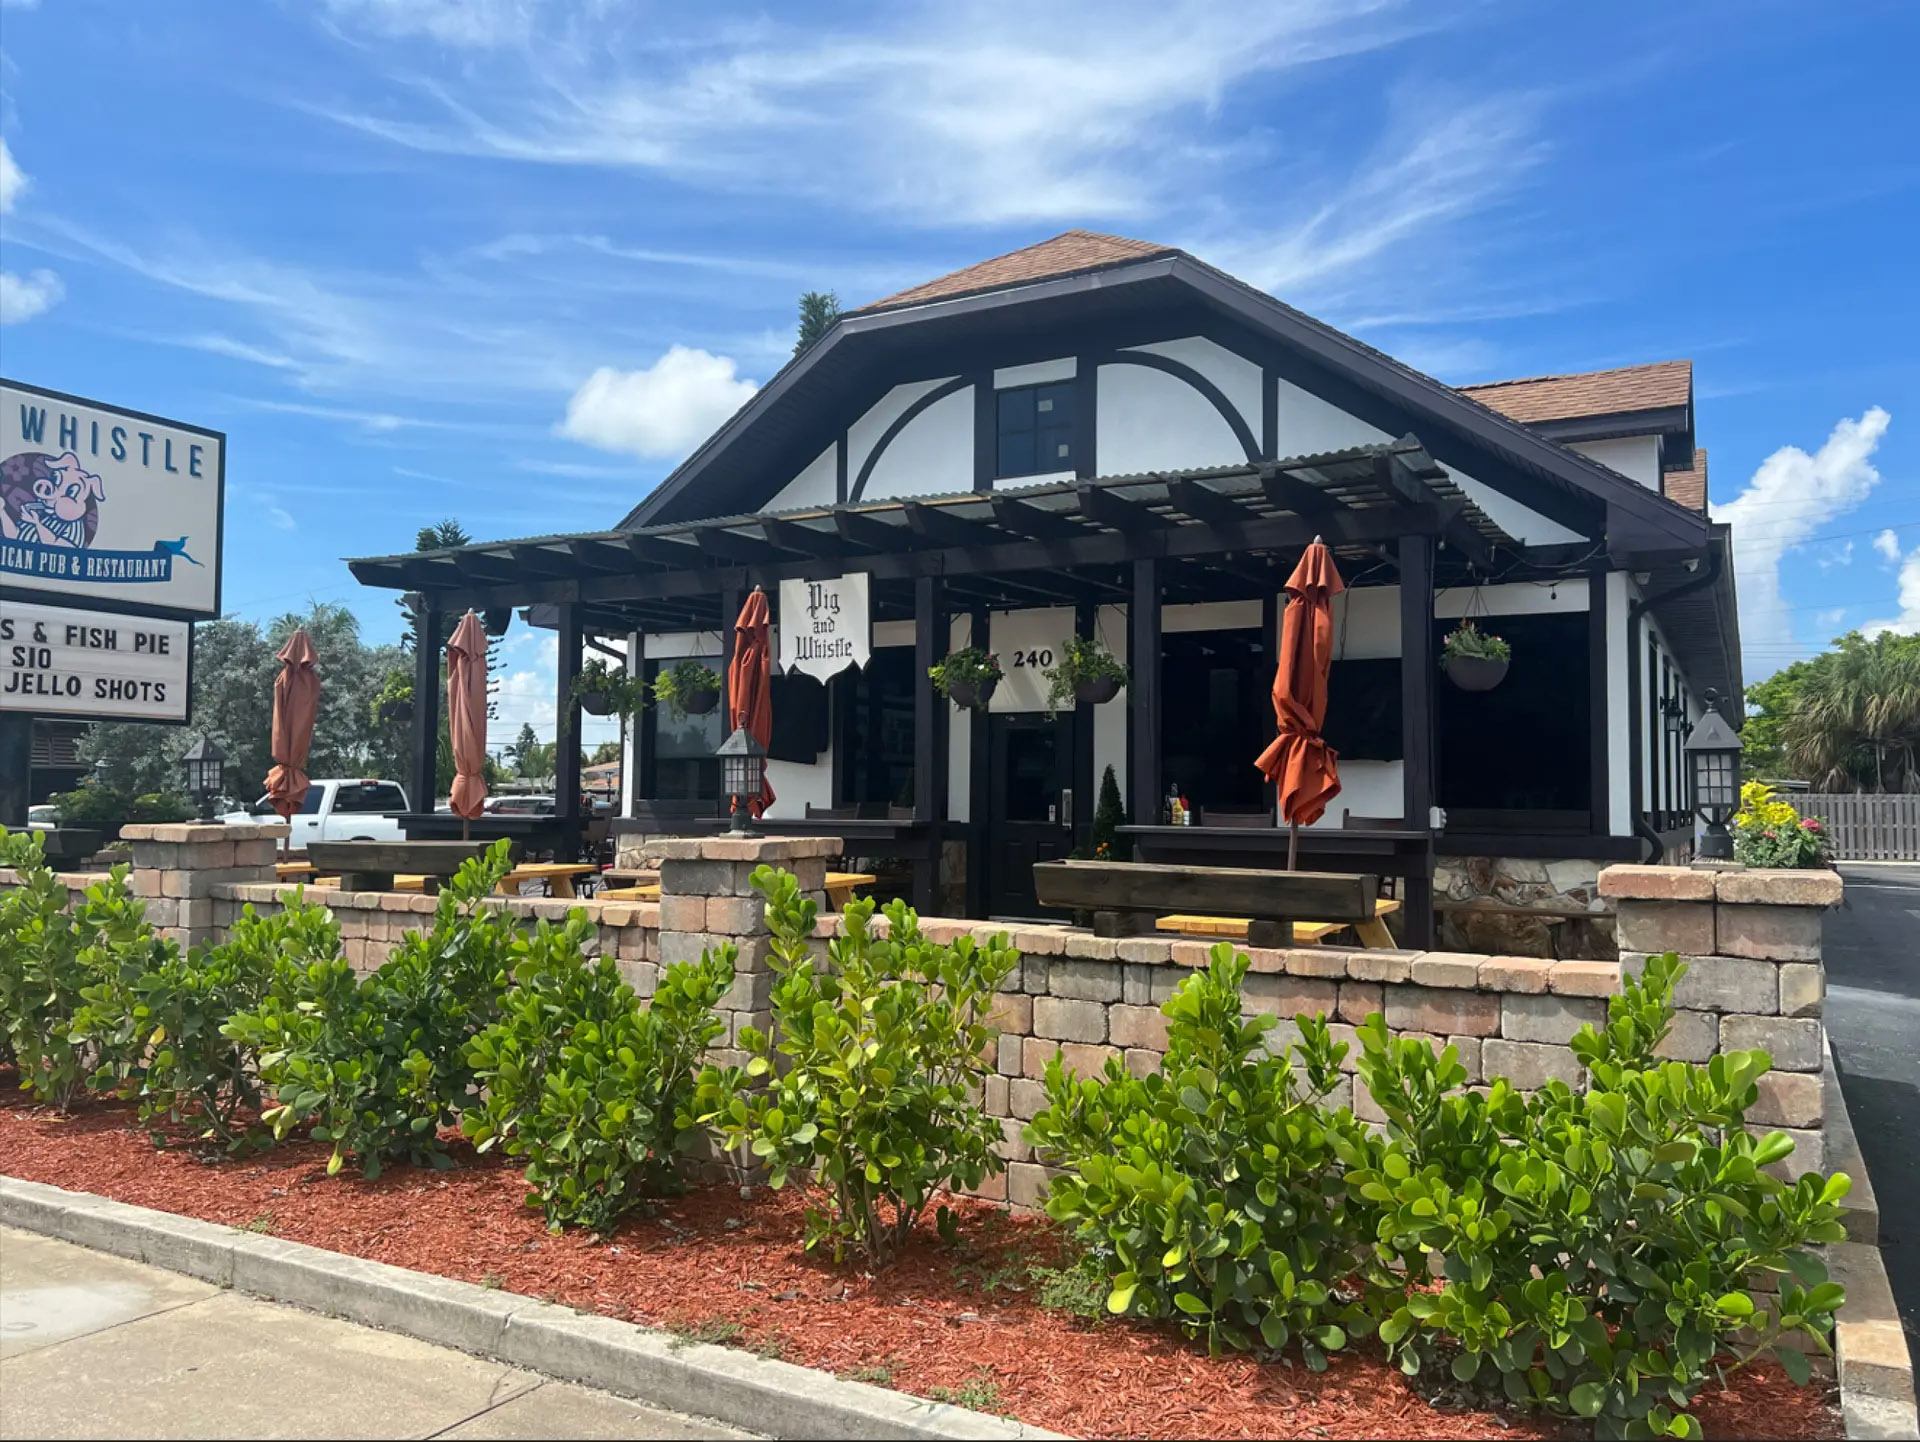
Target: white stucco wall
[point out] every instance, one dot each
(932, 456)
(1237, 377)
(865, 433)
(1151, 421)
(1636, 457)
(1036, 373)
(817, 485)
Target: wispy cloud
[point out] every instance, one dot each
(1791, 496)
(22, 297)
(1888, 545)
(13, 180)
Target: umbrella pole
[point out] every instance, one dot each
(1293, 847)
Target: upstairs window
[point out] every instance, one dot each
(1035, 430)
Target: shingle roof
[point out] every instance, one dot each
(1689, 487)
(1068, 253)
(1593, 393)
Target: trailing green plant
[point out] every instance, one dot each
(1205, 1189)
(1082, 660)
(1469, 640)
(585, 1084)
(158, 1020)
(970, 665)
(52, 949)
(1599, 1252)
(867, 1098)
(377, 1065)
(625, 694)
(683, 679)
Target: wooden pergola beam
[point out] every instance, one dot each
(1098, 503)
(943, 528)
(1026, 519)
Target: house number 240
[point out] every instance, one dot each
(1037, 659)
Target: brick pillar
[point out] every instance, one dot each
(707, 900)
(176, 867)
(1752, 942)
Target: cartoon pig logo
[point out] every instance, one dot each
(51, 500)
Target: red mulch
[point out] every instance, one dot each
(940, 1318)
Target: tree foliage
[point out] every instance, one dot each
(1845, 720)
(819, 309)
(232, 698)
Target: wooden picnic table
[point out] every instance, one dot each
(840, 886)
(1373, 934)
(559, 876)
(1123, 895)
(377, 865)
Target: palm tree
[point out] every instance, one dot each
(1856, 724)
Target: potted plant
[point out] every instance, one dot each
(1088, 673)
(1475, 660)
(604, 690)
(967, 677)
(687, 688)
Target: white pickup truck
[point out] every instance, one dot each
(339, 810)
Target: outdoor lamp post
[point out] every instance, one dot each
(204, 767)
(1713, 777)
(744, 773)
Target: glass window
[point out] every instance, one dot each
(878, 767)
(1523, 746)
(685, 768)
(1035, 430)
(1216, 701)
(367, 796)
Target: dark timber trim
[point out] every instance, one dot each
(428, 625)
(1600, 804)
(1269, 667)
(1086, 416)
(1269, 413)
(900, 423)
(927, 774)
(566, 731)
(1085, 784)
(979, 798)
(1143, 692)
(1417, 678)
(986, 430)
(840, 469)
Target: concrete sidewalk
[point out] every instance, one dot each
(95, 1346)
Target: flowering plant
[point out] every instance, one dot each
(1769, 832)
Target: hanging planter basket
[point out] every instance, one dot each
(973, 695)
(1476, 673)
(597, 703)
(699, 703)
(1096, 692)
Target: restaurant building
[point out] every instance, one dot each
(1104, 438)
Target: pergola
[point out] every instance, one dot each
(1389, 512)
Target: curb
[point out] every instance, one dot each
(1869, 1345)
(753, 1393)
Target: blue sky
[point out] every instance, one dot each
(509, 260)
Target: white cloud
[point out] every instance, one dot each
(464, 23)
(660, 412)
(13, 180)
(1791, 496)
(1888, 545)
(1829, 619)
(22, 297)
(1841, 555)
(280, 518)
(1908, 595)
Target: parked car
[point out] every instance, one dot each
(42, 818)
(512, 805)
(340, 810)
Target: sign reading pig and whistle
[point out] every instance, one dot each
(825, 626)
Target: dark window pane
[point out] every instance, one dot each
(1016, 454)
(879, 768)
(1523, 745)
(1214, 697)
(1016, 409)
(1035, 430)
(368, 799)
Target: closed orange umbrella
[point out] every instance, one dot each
(296, 702)
(1298, 761)
(750, 683)
(467, 716)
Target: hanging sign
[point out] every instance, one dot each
(825, 626)
(104, 505)
(56, 662)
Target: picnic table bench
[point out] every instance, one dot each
(375, 865)
(1372, 934)
(840, 887)
(1122, 894)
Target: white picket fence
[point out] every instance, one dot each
(1865, 828)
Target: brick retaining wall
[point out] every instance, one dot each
(1752, 939)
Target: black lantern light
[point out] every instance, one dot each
(744, 773)
(1673, 712)
(204, 768)
(1713, 774)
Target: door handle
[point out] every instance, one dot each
(1066, 806)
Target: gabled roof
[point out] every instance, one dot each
(1659, 386)
(1069, 253)
(1689, 486)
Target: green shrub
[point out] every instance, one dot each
(160, 1019)
(586, 1085)
(869, 1095)
(1206, 1188)
(1599, 1250)
(377, 1065)
(52, 949)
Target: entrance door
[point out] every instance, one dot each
(1029, 804)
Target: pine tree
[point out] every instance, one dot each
(818, 311)
(1108, 817)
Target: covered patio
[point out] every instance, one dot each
(1132, 546)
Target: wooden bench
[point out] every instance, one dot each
(375, 865)
(1372, 934)
(1123, 894)
(840, 887)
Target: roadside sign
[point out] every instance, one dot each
(93, 665)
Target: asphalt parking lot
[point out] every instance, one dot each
(1873, 1024)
